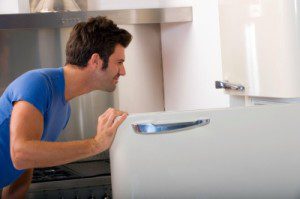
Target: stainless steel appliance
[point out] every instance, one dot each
(89, 178)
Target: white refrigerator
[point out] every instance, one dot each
(243, 152)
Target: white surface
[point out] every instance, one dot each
(141, 90)
(192, 60)
(243, 153)
(135, 4)
(14, 6)
(260, 46)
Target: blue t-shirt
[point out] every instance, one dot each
(44, 89)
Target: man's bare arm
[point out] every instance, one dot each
(27, 151)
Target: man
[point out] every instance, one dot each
(34, 108)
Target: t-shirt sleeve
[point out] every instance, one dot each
(33, 88)
(68, 116)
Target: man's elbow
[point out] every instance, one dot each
(18, 156)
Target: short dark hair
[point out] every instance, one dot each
(97, 35)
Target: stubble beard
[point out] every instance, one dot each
(111, 87)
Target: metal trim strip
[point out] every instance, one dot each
(69, 19)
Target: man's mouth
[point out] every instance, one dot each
(117, 78)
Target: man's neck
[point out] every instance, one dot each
(76, 81)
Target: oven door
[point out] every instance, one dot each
(88, 178)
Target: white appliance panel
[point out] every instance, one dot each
(250, 152)
(260, 44)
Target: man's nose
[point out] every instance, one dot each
(122, 70)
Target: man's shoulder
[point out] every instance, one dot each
(36, 87)
(43, 73)
(30, 79)
(37, 77)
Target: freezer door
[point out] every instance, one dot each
(251, 152)
(260, 44)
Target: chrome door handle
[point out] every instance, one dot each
(230, 86)
(150, 128)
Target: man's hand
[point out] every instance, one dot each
(108, 124)
(19, 188)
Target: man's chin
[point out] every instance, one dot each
(111, 89)
(107, 88)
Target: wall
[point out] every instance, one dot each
(141, 90)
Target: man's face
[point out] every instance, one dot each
(115, 69)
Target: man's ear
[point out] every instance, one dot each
(96, 61)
